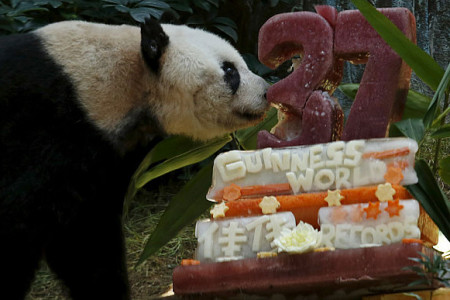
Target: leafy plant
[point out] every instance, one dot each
(431, 269)
(25, 15)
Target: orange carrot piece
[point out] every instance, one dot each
(387, 153)
(266, 190)
(231, 192)
(393, 175)
(373, 210)
(189, 262)
(412, 241)
(394, 208)
(402, 164)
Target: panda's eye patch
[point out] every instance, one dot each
(231, 77)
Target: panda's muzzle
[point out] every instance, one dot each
(250, 116)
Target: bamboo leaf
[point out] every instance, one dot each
(349, 89)
(248, 137)
(229, 31)
(421, 62)
(413, 294)
(225, 21)
(431, 197)
(192, 156)
(183, 209)
(412, 128)
(444, 169)
(416, 105)
(167, 148)
(438, 97)
(443, 132)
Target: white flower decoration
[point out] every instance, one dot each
(301, 239)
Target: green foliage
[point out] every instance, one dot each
(185, 208)
(431, 197)
(430, 269)
(170, 154)
(24, 15)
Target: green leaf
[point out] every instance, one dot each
(122, 8)
(167, 148)
(412, 128)
(192, 156)
(184, 7)
(273, 3)
(117, 2)
(248, 137)
(153, 3)
(183, 209)
(416, 105)
(225, 21)
(214, 2)
(228, 31)
(431, 197)
(421, 62)
(443, 132)
(349, 89)
(140, 13)
(195, 20)
(438, 97)
(202, 4)
(255, 65)
(413, 294)
(444, 169)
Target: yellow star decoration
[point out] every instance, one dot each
(385, 192)
(334, 198)
(219, 210)
(269, 205)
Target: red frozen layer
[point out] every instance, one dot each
(385, 82)
(349, 273)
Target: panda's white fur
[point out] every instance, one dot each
(188, 96)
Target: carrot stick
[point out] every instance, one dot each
(305, 207)
(230, 193)
(268, 189)
(387, 153)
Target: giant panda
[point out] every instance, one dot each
(80, 103)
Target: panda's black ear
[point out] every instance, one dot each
(153, 43)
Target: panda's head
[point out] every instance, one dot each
(205, 88)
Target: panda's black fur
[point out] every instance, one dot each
(60, 182)
(62, 178)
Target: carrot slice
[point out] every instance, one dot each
(231, 192)
(394, 208)
(373, 210)
(268, 189)
(189, 262)
(402, 164)
(387, 153)
(412, 241)
(393, 175)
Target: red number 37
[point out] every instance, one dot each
(324, 40)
